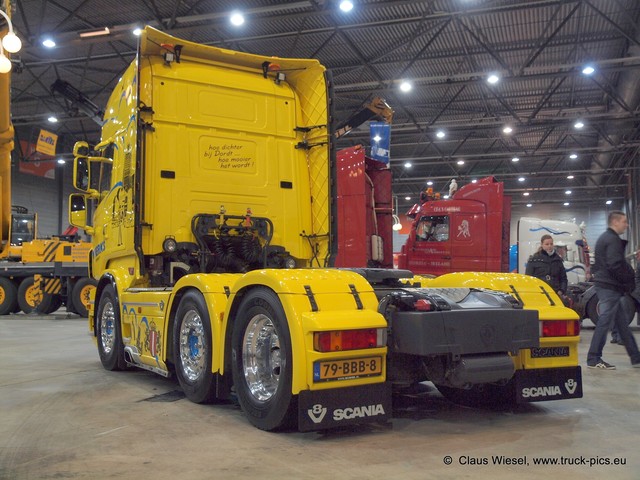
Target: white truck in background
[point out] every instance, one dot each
(569, 239)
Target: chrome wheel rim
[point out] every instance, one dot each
(107, 327)
(261, 359)
(192, 346)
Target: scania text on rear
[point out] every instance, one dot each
(212, 204)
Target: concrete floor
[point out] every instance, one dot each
(63, 416)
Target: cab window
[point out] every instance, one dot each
(433, 229)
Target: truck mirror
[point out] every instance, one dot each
(78, 212)
(81, 178)
(81, 149)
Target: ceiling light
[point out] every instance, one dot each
(346, 6)
(95, 33)
(515, 159)
(440, 134)
(578, 125)
(567, 192)
(493, 79)
(137, 31)
(460, 162)
(52, 119)
(49, 43)
(609, 202)
(521, 179)
(525, 194)
(507, 129)
(570, 177)
(377, 138)
(573, 156)
(474, 180)
(588, 70)
(445, 197)
(429, 183)
(236, 19)
(529, 205)
(407, 198)
(566, 204)
(407, 165)
(61, 161)
(405, 86)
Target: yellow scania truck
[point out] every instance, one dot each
(211, 202)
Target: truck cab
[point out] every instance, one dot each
(467, 233)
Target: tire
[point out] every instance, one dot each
(483, 395)
(109, 331)
(32, 298)
(591, 310)
(262, 362)
(8, 296)
(81, 295)
(192, 346)
(55, 304)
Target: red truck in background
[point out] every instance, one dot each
(467, 233)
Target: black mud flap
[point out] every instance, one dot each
(546, 384)
(323, 409)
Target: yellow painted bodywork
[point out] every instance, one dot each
(221, 135)
(145, 310)
(55, 250)
(528, 291)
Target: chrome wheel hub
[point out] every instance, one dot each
(192, 346)
(261, 360)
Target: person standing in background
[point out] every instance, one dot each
(547, 265)
(613, 278)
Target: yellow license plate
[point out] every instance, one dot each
(347, 369)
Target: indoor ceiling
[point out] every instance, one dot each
(446, 50)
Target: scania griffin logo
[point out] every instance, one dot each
(318, 412)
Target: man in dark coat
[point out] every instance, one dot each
(613, 278)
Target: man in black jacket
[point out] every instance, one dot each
(613, 278)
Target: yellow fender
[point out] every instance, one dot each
(529, 290)
(335, 302)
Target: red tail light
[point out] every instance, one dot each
(339, 340)
(559, 328)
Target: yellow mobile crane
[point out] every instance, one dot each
(35, 274)
(211, 201)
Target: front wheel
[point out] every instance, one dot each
(192, 344)
(109, 331)
(262, 361)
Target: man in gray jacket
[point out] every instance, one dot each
(613, 278)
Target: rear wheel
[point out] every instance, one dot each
(483, 395)
(8, 296)
(31, 297)
(193, 350)
(262, 361)
(82, 295)
(592, 310)
(109, 331)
